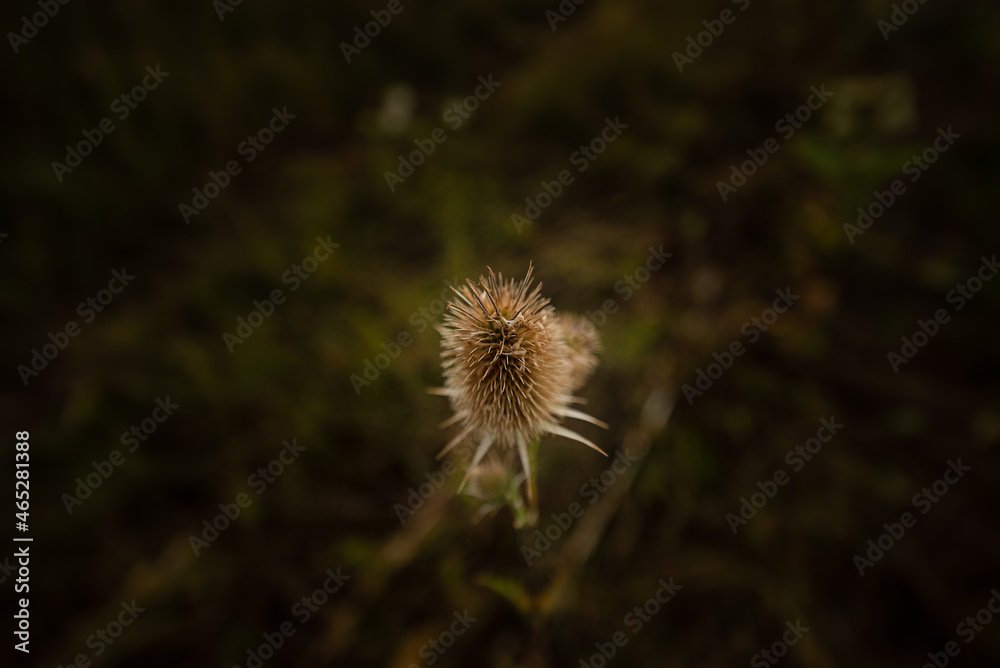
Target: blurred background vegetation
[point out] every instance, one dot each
(656, 185)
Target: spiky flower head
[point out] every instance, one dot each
(496, 483)
(583, 344)
(510, 367)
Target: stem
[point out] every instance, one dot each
(527, 515)
(532, 486)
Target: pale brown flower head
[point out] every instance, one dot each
(505, 362)
(583, 345)
(509, 369)
(492, 480)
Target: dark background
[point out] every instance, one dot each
(324, 175)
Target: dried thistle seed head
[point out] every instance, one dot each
(505, 369)
(495, 480)
(497, 483)
(508, 370)
(583, 344)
